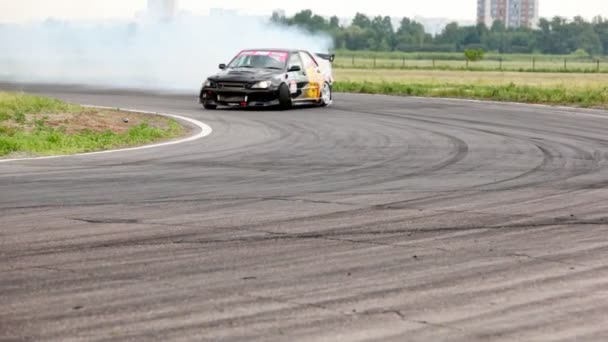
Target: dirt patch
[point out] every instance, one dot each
(96, 121)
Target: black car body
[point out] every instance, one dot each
(268, 77)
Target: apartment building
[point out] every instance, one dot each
(513, 13)
(527, 13)
(484, 12)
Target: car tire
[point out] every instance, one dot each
(284, 97)
(209, 106)
(326, 98)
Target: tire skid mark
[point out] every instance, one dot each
(543, 166)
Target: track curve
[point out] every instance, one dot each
(379, 218)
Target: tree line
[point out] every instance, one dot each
(553, 36)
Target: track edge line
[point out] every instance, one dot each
(205, 130)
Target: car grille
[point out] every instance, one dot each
(231, 85)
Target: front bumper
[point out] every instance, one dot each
(239, 98)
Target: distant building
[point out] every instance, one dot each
(162, 9)
(525, 14)
(484, 12)
(500, 10)
(513, 13)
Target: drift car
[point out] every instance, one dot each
(271, 77)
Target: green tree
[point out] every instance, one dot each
(356, 38)
(522, 41)
(411, 34)
(277, 18)
(362, 21)
(334, 23)
(553, 36)
(383, 33)
(601, 28)
(452, 34)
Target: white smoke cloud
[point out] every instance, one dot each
(172, 56)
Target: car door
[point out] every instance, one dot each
(297, 80)
(312, 90)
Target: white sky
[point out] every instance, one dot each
(25, 10)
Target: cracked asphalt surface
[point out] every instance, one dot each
(380, 218)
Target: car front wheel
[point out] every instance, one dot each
(209, 106)
(284, 97)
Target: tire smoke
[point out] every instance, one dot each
(174, 56)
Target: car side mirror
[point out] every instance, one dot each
(222, 66)
(295, 68)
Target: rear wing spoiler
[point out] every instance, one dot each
(328, 57)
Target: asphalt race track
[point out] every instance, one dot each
(377, 219)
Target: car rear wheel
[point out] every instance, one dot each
(326, 95)
(284, 97)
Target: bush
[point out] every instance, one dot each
(580, 53)
(474, 55)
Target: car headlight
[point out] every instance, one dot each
(209, 84)
(262, 85)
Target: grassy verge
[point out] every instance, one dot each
(579, 68)
(38, 126)
(596, 97)
(460, 56)
(456, 61)
(583, 90)
(473, 77)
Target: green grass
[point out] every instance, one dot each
(572, 80)
(24, 128)
(461, 65)
(459, 56)
(17, 105)
(456, 61)
(596, 97)
(49, 141)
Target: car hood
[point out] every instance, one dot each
(246, 75)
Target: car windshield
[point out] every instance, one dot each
(260, 59)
